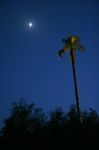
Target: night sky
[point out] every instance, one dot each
(29, 67)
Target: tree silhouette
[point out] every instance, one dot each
(24, 119)
(28, 128)
(71, 44)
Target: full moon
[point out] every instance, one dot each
(30, 24)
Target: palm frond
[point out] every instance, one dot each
(64, 40)
(79, 47)
(60, 52)
(73, 39)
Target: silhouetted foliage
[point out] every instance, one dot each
(20, 120)
(57, 117)
(28, 127)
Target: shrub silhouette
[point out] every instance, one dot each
(28, 127)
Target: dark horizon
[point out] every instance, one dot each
(28, 127)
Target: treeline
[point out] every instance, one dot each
(28, 127)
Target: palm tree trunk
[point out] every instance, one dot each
(75, 83)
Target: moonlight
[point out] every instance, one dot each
(30, 24)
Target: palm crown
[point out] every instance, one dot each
(72, 42)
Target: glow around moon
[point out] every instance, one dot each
(30, 24)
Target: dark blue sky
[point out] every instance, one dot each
(29, 67)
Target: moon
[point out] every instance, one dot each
(30, 24)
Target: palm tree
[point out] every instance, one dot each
(71, 44)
